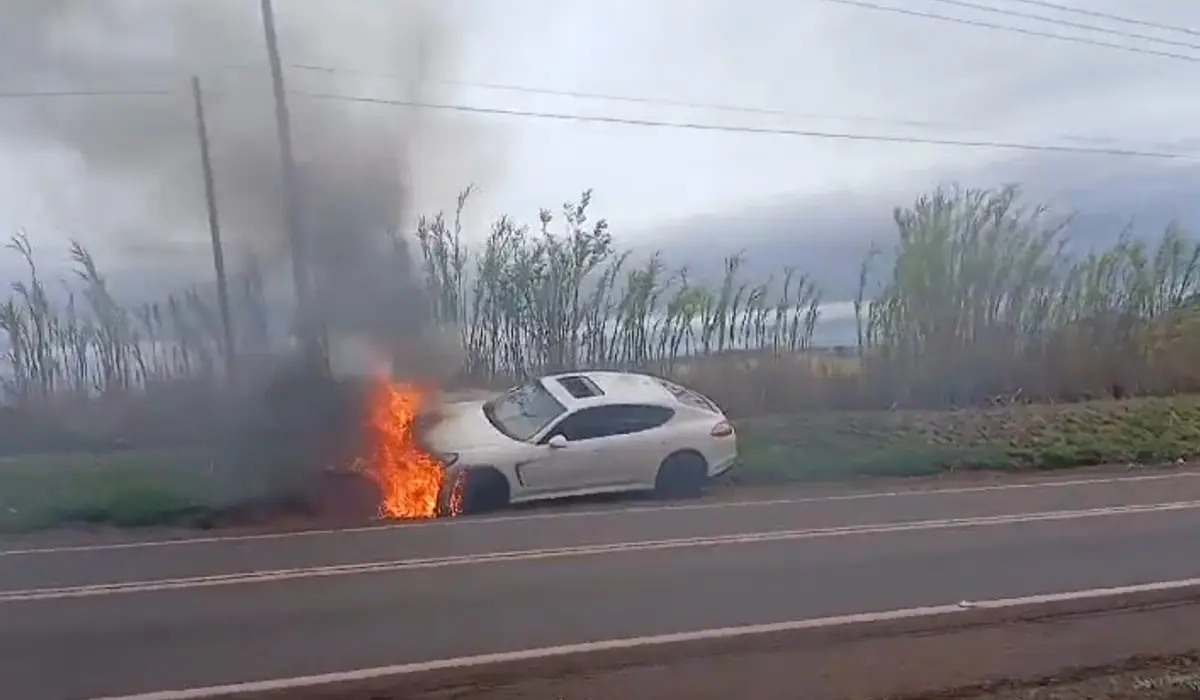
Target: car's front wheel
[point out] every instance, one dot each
(682, 475)
(477, 490)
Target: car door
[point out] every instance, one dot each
(555, 470)
(632, 451)
(605, 449)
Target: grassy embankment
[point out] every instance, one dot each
(148, 488)
(980, 310)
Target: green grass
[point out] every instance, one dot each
(843, 445)
(122, 489)
(134, 488)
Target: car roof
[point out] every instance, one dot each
(615, 387)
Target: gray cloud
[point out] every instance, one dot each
(807, 57)
(828, 235)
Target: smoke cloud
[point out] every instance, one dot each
(362, 166)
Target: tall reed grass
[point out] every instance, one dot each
(92, 344)
(983, 302)
(532, 302)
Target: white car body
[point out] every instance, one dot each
(583, 433)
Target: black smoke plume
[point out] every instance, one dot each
(358, 167)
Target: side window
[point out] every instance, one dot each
(588, 424)
(608, 421)
(635, 419)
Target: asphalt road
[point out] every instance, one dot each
(88, 619)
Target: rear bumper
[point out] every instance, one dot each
(723, 467)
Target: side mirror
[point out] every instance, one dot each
(557, 442)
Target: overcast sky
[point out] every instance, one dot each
(838, 68)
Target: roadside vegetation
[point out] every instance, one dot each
(983, 341)
(1152, 678)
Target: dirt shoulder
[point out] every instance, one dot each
(1166, 678)
(1139, 653)
(1175, 677)
(959, 478)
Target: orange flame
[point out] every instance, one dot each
(409, 478)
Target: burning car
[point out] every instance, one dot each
(576, 434)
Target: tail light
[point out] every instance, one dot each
(722, 429)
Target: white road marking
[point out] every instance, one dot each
(251, 577)
(615, 512)
(466, 662)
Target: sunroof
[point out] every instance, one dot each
(580, 387)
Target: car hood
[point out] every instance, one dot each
(462, 426)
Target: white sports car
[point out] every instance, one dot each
(579, 434)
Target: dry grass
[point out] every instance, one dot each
(1175, 678)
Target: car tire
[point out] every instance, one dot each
(480, 490)
(682, 475)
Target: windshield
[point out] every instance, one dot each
(522, 412)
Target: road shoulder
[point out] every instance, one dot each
(83, 537)
(987, 662)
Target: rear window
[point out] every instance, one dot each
(688, 397)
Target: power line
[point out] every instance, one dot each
(696, 126)
(692, 126)
(1067, 23)
(1113, 18)
(889, 121)
(631, 99)
(1018, 30)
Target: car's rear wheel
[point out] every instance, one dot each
(682, 475)
(478, 490)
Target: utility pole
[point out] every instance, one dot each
(301, 272)
(214, 229)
